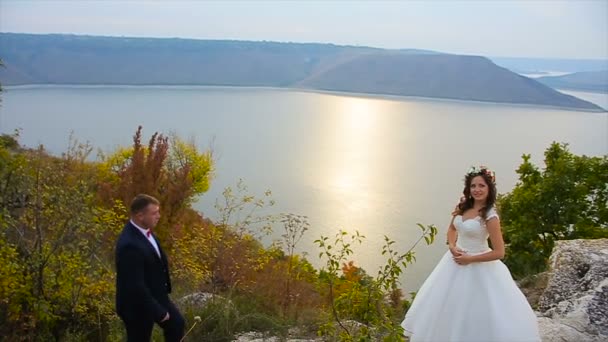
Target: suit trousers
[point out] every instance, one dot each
(140, 330)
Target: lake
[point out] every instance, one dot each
(377, 165)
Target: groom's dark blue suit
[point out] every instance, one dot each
(143, 286)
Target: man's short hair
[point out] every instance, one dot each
(141, 202)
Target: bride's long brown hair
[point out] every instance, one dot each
(488, 177)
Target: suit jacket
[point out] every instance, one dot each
(142, 277)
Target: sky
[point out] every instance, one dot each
(575, 29)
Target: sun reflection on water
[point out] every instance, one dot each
(351, 167)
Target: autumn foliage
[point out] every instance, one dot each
(60, 217)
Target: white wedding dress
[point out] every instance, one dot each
(478, 302)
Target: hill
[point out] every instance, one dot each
(596, 81)
(88, 60)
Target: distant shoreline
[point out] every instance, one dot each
(295, 89)
(323, 68)
(592, 91)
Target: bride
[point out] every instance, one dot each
(470, 295)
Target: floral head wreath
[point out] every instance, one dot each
(481, 170)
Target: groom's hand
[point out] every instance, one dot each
(166, 317)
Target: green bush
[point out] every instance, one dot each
(568, 199)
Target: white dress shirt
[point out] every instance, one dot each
(150, 237)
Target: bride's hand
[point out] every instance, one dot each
(456, 251)
(462, 259)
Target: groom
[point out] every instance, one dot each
(142, 277)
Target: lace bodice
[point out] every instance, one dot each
(472, 233)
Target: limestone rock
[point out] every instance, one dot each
(197, 299)
(253, 336)
(574, 306)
